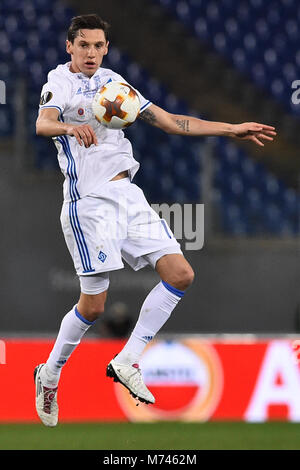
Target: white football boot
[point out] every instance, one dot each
(131, 377)
(45, 400)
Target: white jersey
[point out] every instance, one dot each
(86, 169)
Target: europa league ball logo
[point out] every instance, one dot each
(185, 377)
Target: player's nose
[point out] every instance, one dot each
(91, 53)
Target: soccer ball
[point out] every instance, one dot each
(116, 105)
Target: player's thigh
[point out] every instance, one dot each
(91, 235)
(148, 236)
(175, 270)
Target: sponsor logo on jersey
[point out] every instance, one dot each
(185, 377)
(87, 90)
(46, 97)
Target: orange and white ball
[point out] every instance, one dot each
(116, 105)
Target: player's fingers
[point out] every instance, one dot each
(84, 137)
(252, 126)
(77, 136)
(264, 136)
(92, 134)
(257, 141)
(255, 128)
(262, 126)
(95, 140)
(270, 132)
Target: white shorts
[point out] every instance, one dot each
(120, 224)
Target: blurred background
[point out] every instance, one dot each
(219, 60)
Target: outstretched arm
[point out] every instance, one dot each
(187, 125)
(47, 124)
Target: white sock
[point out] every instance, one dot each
(72, 329)
(155, 311)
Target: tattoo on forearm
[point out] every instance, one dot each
(148, 116)
(183, 124)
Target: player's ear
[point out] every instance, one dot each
(69, 47)
(106, 48)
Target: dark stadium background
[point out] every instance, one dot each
(220, 60)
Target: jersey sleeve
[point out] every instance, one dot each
(53, 95)
(144, 102)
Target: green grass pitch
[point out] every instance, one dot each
(152, 436)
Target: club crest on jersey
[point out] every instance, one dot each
(102, 256)
(80, 111)
(46, 97)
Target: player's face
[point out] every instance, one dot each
(87, 51)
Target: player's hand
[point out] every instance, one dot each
(254, 131)
(84, 134)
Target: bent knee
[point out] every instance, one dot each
(187, 277)
(94, 311)
(182, 278)
(91, 312)
(91, 307)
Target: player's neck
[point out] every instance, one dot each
(74, 69)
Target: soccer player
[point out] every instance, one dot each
(99, 166)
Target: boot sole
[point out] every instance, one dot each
(110, 372)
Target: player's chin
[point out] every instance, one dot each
(90, 69)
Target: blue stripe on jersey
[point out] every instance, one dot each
(67, 150)
(89, 268)
(71, 170)
(77, 238)
(165, 227)
(145, 106)
(74, 194)
(73, 220)
(52, 106)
